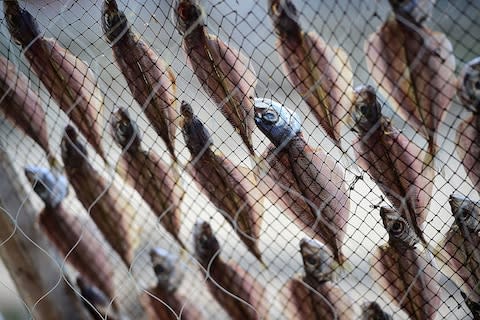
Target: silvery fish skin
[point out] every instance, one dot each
(232, 191)
(320, 73)
(224, 73)
(67, 78)
(468, 132)
(413, 67)
(76, 238)
(98, 305)
(315, 295)
(151, 81)
(146, 171)
(163, 301)
(22, 106)
(112, 214)
(318, 177)
(372, 311)
(244, 296)
(391, 159)
(407, 274)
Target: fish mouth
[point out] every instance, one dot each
(188, 15)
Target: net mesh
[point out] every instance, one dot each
(223, 183)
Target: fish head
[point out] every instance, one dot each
(196, 136)
(366, 111)
(318, 260)
(466, 212)
(74, 152)
(124, 129)
(165, 265)
(21, 24)
(51, 187)
(188, 15)
(114, 21)
(399, 231)
(277, 122)
(206, 244)
(284, 15)
(372, 311)
(468, 90)
(416, 11)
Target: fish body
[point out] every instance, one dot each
(98, 305)
(228, 188)
(223, 72)
(391, 159)
(318, 177)
(148, 173)
(320, 73)
(67, 78)
(234, 288)
(372, 311)
(99, 197)
(150, 80)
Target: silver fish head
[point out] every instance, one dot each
(165, 265)
(188, 15)
(284, 15)
(466, 212)
(21, 24)
(74, 152)
(468, 90)
(114, 21)
(366, 111)
(91, 293)
(318, 260)
(416, 11)
(124, 129)
(205, 242)
(51, 188)
(400, 234)
(196, 136)
(372, 311)
(277, 122)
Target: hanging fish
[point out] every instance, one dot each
(320, 73)
(148, 174)
(318, 177)
(151, 81)
(468, 132)
(163, 301)
(22, 106)
(315, 296)
(67, 78)
(414, 68)
(112, 214)
(76, 239)
(96, 302)
(459, 251)
(391, 159)
(223, 72)
(405, 272)
(230, 190)
(372, 311)
(240, 295)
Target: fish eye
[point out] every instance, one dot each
(270, 116)
(364, 109)
(159, 269)
(477, 85)
(397, 228)
(311, 260)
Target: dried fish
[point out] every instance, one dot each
(318, 177)
(112, 214)
(224, 73)
(232, 191)
(163, 301)
(320, 73)
(151, 81)
(98, 305)
(154, 180)
(315, 296)
(67, 78)
(391, 159)
(372, 311)
(76, 239)
(235, 289)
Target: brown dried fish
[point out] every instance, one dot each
(407, 274)
(163, 301)
(230, 190)
(98, 305)
(320, 73)
(414, 68)
(67, 78)
(315, 296)
(391, 159)
(112, 214)
(151, 81)
(372, 311)
(224, 73)
(318, 177)
(235, 289)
